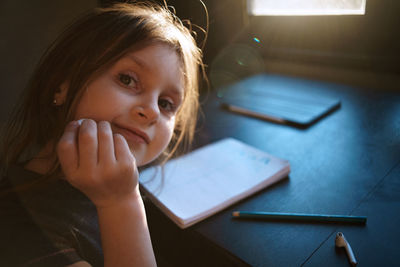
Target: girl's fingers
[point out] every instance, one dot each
(67, 148)
(121, 147)
(88, 144)
(105, 142)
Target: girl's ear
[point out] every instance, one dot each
(61, 94)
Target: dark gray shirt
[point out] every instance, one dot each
(52, 225)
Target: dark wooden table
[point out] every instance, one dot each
(347, 163)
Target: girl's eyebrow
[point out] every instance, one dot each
(178, 93)
(138, 61)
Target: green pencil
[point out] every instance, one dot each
(299, 217)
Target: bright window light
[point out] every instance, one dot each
(305, 7)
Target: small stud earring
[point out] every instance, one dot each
(55, 102)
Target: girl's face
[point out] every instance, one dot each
(140, 96)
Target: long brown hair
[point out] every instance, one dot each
(83, 51)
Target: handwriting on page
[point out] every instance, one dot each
(247, 155)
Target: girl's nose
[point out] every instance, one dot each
(147, 112)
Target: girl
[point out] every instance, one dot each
(117, 91)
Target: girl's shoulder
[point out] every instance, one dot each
(47, 224)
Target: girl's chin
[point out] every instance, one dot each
(140, 159)
(142, 155)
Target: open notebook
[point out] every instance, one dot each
(209, 179)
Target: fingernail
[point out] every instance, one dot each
(80, 121)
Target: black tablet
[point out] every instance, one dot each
(280, 99)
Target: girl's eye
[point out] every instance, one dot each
(167, 105)
(127, 80)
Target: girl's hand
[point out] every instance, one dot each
(99, 163)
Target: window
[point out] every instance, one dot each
(305, 7)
